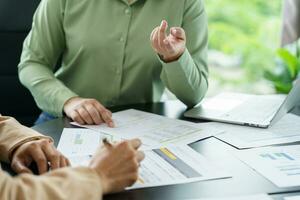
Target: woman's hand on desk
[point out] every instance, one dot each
(87, 111)
(117, 165)
(168, 47)
(41, 152)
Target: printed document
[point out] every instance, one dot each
(168, 166)
(287, 130)
(280, 165)
(154, 130)
(79, 141)
(174, 165)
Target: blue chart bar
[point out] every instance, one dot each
(277, 156)
(284, 155)
(268, 156)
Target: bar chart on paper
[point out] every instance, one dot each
(176, 165)
(281, 165)
(75, 141)
(277, 156)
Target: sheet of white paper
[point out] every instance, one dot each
(287, 130)
(80, 160)
(154, 130)
(171, 165)
(292, 198)
(251, 197)
(280, 165)
(79, 141)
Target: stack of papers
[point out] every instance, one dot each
(287, 130)
(280, 165)
(154, 130)
(162, 166)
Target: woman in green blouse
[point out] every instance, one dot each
(107, 58)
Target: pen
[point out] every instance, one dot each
(106, 142)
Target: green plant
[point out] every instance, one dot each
(246, 29)
(286, 70)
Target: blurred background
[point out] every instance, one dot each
(253, 46)
(244, 37)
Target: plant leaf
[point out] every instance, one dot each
(290, 60)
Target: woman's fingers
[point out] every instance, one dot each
(85, 115)
(93, 112)
(171, 46)
(154, 40)
(168, 46)
(178, 33)
(162, 34)
(52, 155)
(40, 159)
(105, 114)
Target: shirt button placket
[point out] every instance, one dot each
(122, 40)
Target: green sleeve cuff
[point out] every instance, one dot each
(62, 96)
(176, 67)
(185, 79)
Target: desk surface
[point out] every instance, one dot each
(245, 181)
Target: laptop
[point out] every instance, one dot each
(245, 109)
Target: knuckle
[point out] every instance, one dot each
(44, 142)
(41, 160)
(77, 118)
(74, 113)
(135, 165)
(92, 101)
(54, 156)
(33, 145)
(13, 165)
(102, 111)
(84, 114)
(131, 155)
(125, 144)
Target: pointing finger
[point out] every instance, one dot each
(162, 34)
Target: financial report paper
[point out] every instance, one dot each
(287, 130)
(154, 130)
(161, 166)
(79, 141)
(176, 165)
(280, 165)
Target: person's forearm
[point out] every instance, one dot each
(185, 79)
(49, 93)
(41, 49)
(12, 135)
(68, 183)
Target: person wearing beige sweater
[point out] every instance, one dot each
(112, 168)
